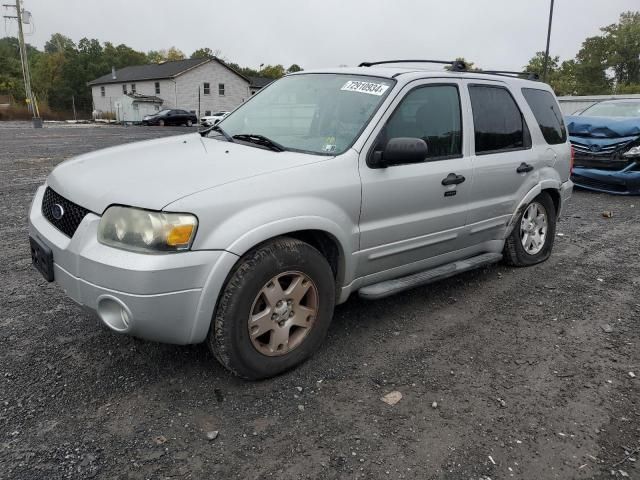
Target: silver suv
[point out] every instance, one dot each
(373, 179)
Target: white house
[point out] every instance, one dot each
(200, 85)
(132, 107)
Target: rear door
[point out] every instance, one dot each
(504, 162)
(408, 216)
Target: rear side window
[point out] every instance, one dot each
(497, 120)
(547, 113)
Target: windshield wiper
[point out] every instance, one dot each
(217, 128)
(260, 140)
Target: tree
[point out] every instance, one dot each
(59, 43)
(174, 54)
(206, 52)
(294, 68)
(272, 71)
(622, 46)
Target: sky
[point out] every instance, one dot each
(495, 34)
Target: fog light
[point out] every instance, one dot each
(114, 313)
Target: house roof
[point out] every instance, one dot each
(259, 82)
(156, 71)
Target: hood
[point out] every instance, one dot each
(603, 127)
(154, 173)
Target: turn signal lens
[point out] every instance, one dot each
(180, 235)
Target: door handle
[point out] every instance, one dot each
(524, 168)
(453, 179)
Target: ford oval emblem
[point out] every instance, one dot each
(57, 211)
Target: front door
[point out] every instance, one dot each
(407, 214)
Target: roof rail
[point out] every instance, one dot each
(506, 73)
(456, 65)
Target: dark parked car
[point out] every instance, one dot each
(606, 141)
(171, 117)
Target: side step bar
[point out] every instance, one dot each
(391, 287)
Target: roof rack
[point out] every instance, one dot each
(458, 66)
(505, 73)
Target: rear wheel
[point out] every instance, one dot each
(531, 240)
(275, 309)
(189, 123)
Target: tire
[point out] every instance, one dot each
(161, 123)
(515, 253)
(189, 123)
(243, 300)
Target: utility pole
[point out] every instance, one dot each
(37, 121)
(546, 52)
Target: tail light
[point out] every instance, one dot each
(573, 157)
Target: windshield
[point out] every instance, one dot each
(613, 109)
(163, 112)
(314, 113)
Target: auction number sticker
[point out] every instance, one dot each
(371, 88)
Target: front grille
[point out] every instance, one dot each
(605, 157)
(72, 213)
(600, 185)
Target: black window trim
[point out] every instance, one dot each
(527, 133)
(372, 149)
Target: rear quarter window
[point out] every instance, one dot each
(547, 113)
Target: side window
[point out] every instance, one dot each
(124, 89)
(206, 87)
(157, 87)
(547, 113)
(221, 89)
(133, 88)
(432, 113)
(498, 123)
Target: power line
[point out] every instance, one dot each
(26, 74)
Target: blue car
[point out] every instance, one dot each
(606, 142)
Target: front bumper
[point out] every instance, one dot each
(622, 182)
(167, 298)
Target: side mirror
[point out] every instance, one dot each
(400, 150)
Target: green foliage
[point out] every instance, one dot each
(205, 52)
(294, 68)
(606, 64)
(272, 71)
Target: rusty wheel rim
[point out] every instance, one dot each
(283, 313)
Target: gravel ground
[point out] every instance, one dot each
(529, 367)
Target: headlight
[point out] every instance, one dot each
(632, 152)
(145, 231)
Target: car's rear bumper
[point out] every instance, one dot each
(168, 298)
(623, 182)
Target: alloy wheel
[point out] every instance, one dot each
(283, 313)
(533, 228)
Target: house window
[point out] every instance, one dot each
(207, 113)
(133, 88)
(102, 91)
(206, 88)
(192, 111)
(124, 89)
(157, 88)
(221, 89)
(157, 108)
(136, 106)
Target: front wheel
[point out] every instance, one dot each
(274, 311)
(161, 123)
(531, 240)
(189, 123)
